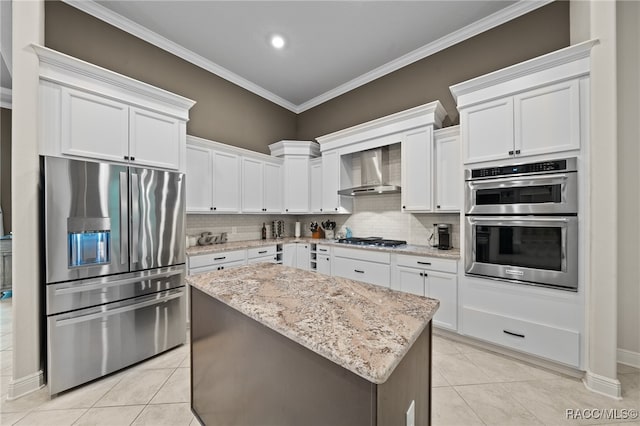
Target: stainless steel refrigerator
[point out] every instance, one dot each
(114, 267)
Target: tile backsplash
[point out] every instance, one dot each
(378, 215)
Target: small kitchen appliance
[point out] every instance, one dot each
(442, 231)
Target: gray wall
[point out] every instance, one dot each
(224, 112)
(534, 34)
(5, 167)
(628, 17)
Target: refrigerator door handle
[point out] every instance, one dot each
(102, 285)
(124, 219)
(115, 311)
(135, 216)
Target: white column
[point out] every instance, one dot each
(602, 260)
(28, 28)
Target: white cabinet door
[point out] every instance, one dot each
(316, 185)
(252, 185)
(410, 281)
(302, 256)
(226, 182)
(154, 139)
(548, 119)
(330, 181)
(289, 252)
(323, 265)
(487, 131)
(443, 287)
(417, 169)
(273, 187)
(296, 184)
(93, 126)
(449, 179)
(199, 179)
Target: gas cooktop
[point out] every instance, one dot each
(372, 241)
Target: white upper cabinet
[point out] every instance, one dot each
(548, 119)
(331, 178)
(88, 111)
(448, 179)
(487, 130)
(417, 169)
(93, 126)
(316, 185)
(273, 187)
(226, 182)
(531, 108)
(154, 139)
(199, 179)
(296, 185)
(252, 185)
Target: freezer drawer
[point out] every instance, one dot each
(86, 344)
(81, 294)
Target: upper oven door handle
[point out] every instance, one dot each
(520, 180)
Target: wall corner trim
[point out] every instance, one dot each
(6, 98)
(629, 358)
(603, 385)
(25, 385)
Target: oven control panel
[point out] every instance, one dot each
(565, 165)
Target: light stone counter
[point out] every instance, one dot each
(407, 249)
(364, 328)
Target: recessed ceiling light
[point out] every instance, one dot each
(277, 41)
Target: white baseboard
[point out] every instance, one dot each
(629, 358)
(25, 385)
(603, 385)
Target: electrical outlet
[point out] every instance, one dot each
(234, 230)
(411, 414)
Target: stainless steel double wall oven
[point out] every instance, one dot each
(522, 223)
(114, 267)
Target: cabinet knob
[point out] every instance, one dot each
(210, 208)
(336, 209)
(404, 207)
(214, 208)
(286, 210)
(421, 274)
(133, 158)
(510, 152)
(438, 206)
(320, 209)
(126, 157)
(517, 151)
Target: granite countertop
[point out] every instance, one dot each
(364, 328)
(409, 249)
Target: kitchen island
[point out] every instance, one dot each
(274, 345)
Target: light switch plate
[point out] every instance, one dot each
(411, 414)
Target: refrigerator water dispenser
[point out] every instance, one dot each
(89, 241)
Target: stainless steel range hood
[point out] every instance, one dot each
(375, 174)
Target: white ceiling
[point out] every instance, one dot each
(332, 46)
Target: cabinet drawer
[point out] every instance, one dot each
(323, 249)
(538, 339)
(261, 252)
(270, 259)
(362, 254)
(432, 263)
(360, 270)
(216, 258)
(217, 267)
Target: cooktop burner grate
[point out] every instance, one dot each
(372, 241)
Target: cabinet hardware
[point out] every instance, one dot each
(320, 209)
(210, 208)
(423, 263)
(286, 210)
(404, 207)
(358, 271)
(214, 208)
(322, 249)
(220, 258)
(510, 152)
(262, 252)
(336, 209)
(133, 158)
(510, 333)
(517, 151)
(126, 157)
(421, 274)
(438, 207)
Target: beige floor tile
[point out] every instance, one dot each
(169, 359)
(7, 419)
(627, 369)
(187, 362)
(83, 396)
(450, 409)
(495, 406)
(505, 369)
(442, 345)
(457, 369)
(6, 363)
(630, 390)
(25, 403)
(110, 416)
(437, 379)
(176, 389)
(468, 349)
(136, 387)
(6, 342)
(51, 418)
(165, 414)
(195, 422)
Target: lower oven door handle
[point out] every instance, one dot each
(115, 311)
(520, 180)
(516, 220)
(81, 288)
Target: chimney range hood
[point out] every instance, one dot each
(374, 177)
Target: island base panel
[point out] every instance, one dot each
(245, 374)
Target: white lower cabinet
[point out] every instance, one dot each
(296, 255)
(323, 264)
(362, 265)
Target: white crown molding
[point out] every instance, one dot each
(293, 147)
(96, 10)
(219, 146)
(603, 385)
(505, 15)
(6, 98)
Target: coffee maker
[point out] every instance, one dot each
(442, 236)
